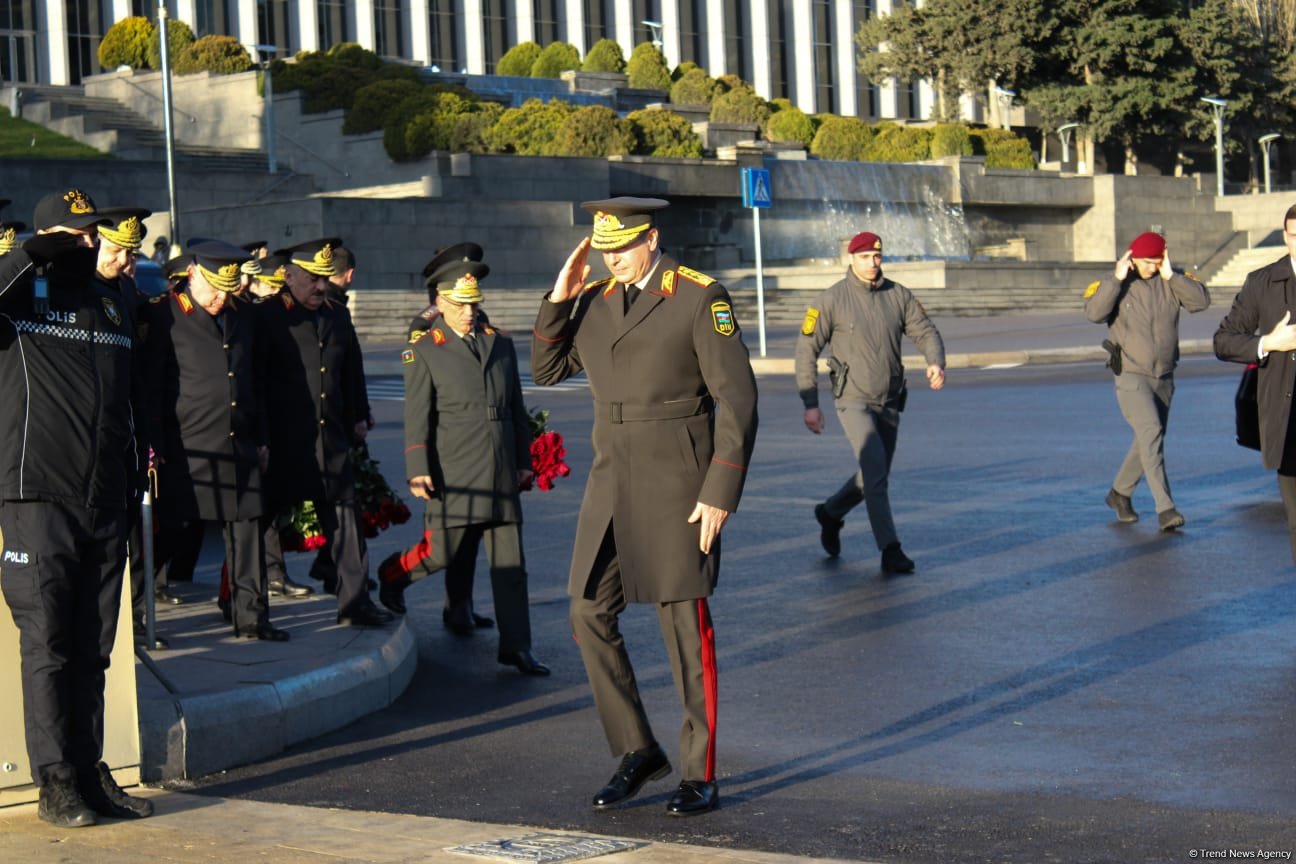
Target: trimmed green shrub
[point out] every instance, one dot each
(376, 104)
(469, 132)
(790, 125)
(683, 69)
(647, 68)
(397, 140)
(741, 105)
(529, 129)
(895, 143)
(694, 87)
(555, 59)
(841, 139)
(399, 72)
(329, 80)
(950, 140)
(179, 38)
(664, 133)
(605, 56)
(594, 130)
(1003, 148)
(222, 55)
(517, 61)
(356, 56)
(126, 43)
(725, 83)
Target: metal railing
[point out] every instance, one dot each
(312, 153)
(157, 98)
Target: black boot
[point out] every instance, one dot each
(61, 805)
(106, 798)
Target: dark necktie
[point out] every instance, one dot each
(631, 295)
(472, 345)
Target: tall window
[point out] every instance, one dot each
(272, 25)
(645, 10)
(495, 32)
(144, 9)
(908, 102)
(441, 35)
(331, 17)
(389, 37)
(825, 69)
(598, 21)
(545, 17)
(866, 92)
(779, 57)
(692, 22)
(737, 33)
(210, 16)
(17, 40)
(87, 21)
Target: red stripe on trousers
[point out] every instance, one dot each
(710, 682)
(412, 556)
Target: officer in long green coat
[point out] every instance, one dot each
(467, 454)
(674, 428)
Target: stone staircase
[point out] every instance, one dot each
(1234, 273)
(109, 126)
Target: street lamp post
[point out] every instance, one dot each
(1266, 143)
(1005, 104)
(655, 31)
(168, 126)
(266, 54)
(1217, 108)
(1064, 132)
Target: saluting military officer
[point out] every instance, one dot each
(213, 438)
(319, 410)
(66, 453)
(863, 316)
(674, 428)
(467, 454)
(1139, 301)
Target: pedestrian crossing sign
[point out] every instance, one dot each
(756, 188)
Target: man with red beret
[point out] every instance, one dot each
(1140, 302)
(864, 316)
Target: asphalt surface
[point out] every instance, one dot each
(1049, 686)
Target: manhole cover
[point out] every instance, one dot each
(546, 847)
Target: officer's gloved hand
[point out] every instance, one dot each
(44, 248)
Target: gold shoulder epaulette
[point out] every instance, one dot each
(186, 305)
(1092, 289)
(693, 275)
(599, 284)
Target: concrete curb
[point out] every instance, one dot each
(189, 735)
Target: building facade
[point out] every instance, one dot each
(57, 41)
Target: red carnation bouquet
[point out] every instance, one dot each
(379, 505)
(299, 529)
(547, 452)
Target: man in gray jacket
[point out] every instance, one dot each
(1139, 302)
(864, 316)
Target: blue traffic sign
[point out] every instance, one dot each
(756, 187)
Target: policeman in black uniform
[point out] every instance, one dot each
(210, 423)
(67, 451)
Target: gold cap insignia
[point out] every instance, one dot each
(8, 240)
(78, 202)
(465, 290)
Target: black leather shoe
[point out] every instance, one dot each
(480, 622)
(525, 661)
(392, 595)
(223, 604)
(286, 587)
(102, 794)
(61, 805)
(694, 797)
(895, 561)
(141, 639)
(365, 614)
(829, 531)
(164, 595)
(1170, 519)
(1122, 505)
(264, 632)
(636, 769)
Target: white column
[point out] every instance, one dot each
(670, 37)
(56, 36)
(474, 39)
(844, 58)
(623, 25)
(120, 9)
(762, 75)
(576, 26)
(307, 27)
(245, 27)
(524, 20)
(715, 40)
(888, 99)
(184, 11)
(801, 89)
(926, 99)
(364, 13)
(420, 35)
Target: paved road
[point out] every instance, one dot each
(1049, 685)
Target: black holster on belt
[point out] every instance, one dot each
(837, 376)
(901, 397)
(1113, 356)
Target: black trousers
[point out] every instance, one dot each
(245, 557)
(341, 526)
(61, 575)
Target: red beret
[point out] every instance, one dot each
(1148, 245)
(865, 240)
